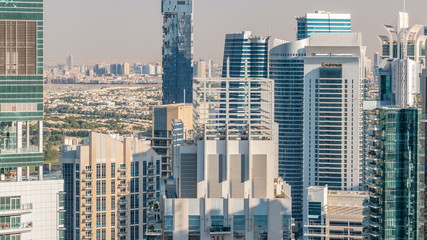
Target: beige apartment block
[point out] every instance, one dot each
(334, 214)
(163, 116)
(104, 167)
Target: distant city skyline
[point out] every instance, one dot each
(130, 31)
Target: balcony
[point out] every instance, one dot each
(84, 196)
(122, 177)
(122, 169)
(123, 234)
(87, 236)
(87, 220)
(123, 217)
(122, 209)
(153, 232)
(9, 210)
(123, 185)
(220, 230)
(87, 228)
(87, 187)
(87, 213)
(86, 180)
(87, 204)
(122, 193)
(85, 171)
(15, 229)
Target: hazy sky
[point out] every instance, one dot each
(107, 31)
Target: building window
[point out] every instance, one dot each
(239, 223)
(113, 219)
(168, 223)
(113, 203)
(19, 47)
(217, 221)
(113, 170)
(113, 186)
(194, 223)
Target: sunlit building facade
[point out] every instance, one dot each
(177, 51)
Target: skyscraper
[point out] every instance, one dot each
(287, 70)
(394, 168)
(111, 182)
(394, 206)
(423, 132)
(162, 131)
(177, 51)
(415, 42)
(200, 69)
(323, 22)
(70, 62)
(229, 174)
(31, 205)
(244, 48)
(333, 94)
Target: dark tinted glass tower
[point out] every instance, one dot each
(177, 51)
(243, 48)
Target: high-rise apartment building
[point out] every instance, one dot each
(244, 49)
(116, 69)
(395, 161)
(333, 94)
(177, 51)
(227, 181)
(126, 69)
(30, 202)
(70, 62)
(334, 214)
(323, 22)
(287, 70)
(200, 69)
(396, 190)
(162, 131)
(111, 182)
(423, 134)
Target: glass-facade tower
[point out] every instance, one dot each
(287, 70)
(323, 22)
(177, 51)
(246, 52)
(394, 205)
(21, 87)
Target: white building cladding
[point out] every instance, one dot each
(239, 194)
(334, 74)
(32, 210)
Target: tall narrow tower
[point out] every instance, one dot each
(177, 51)
(29, 201)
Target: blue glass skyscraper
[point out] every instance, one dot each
(243, 48)
(323, 22)
(177, 51)
(287, 70)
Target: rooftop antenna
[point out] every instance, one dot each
(184, 98)
(404, 5)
